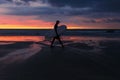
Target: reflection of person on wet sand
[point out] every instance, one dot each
(57, 35)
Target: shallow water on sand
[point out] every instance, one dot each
(12, 43)
(42, 38)
(82, 54)
(20, 38)
(67, 40)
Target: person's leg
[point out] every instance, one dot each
(60, 42)
(52, 42)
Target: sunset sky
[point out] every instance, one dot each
(76, 14)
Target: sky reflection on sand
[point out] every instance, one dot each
(20, 55)
(42, 38)
(91, 40)
(21, 38)
(84, 38)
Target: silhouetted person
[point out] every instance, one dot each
(57, 35)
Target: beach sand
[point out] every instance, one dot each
(79, 60)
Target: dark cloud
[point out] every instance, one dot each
(107, 6)
(112, 20)
(28, 0)
(92, 9)
(104, 20)
(89, 21)
(96, 5)
(20, 2)
(2, 1)
(72, 3)
(30, 11)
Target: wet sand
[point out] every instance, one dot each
(77, 61)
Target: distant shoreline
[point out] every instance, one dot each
(69, 32)
(67, 29)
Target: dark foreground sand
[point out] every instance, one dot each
(77, 61)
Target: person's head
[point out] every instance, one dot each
(57, 21)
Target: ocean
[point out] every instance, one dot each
(39, 35)
(89, 32)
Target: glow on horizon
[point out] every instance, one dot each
(45, 27)
(30, 27)
(21, 27)
(30, 22)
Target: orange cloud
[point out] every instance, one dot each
(27, 22)
(30, 22)
(12, 22)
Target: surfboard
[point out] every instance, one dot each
(50, 34)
